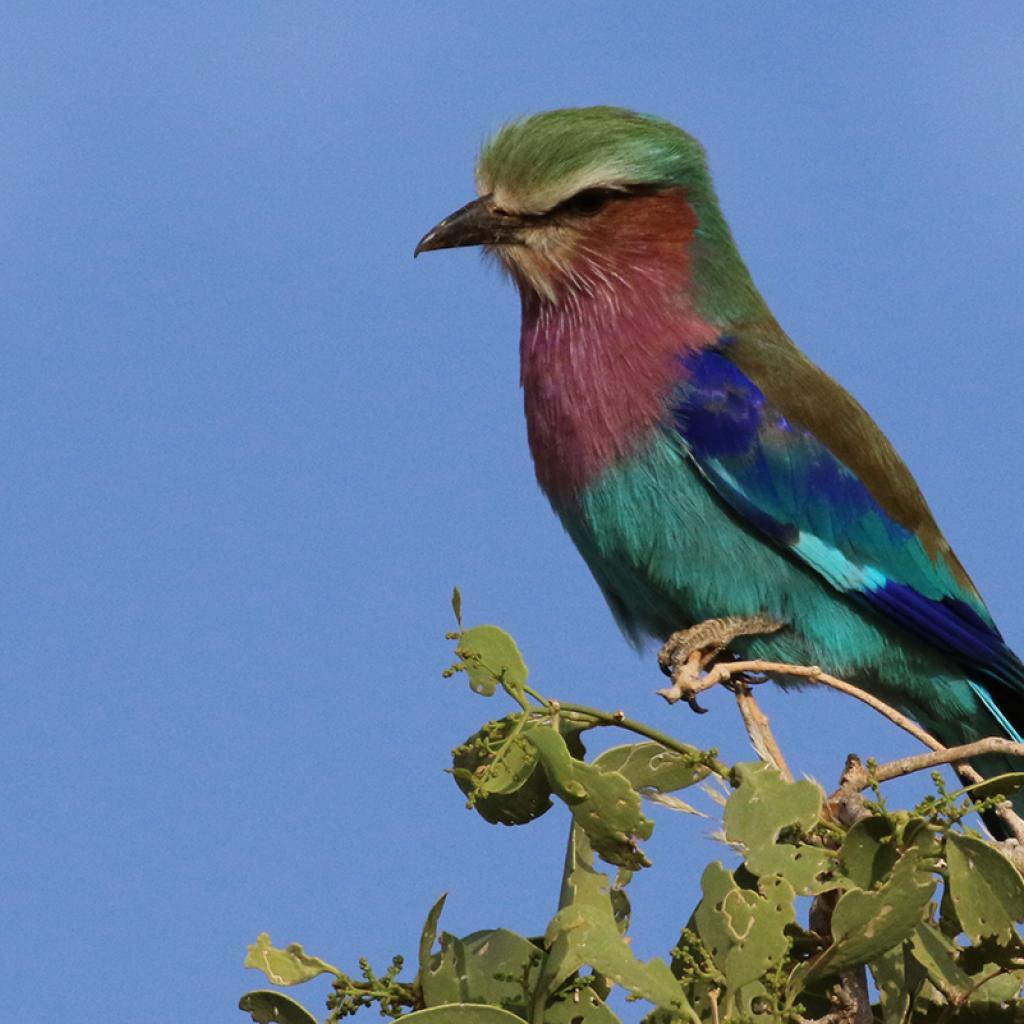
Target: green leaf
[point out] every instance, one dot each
(999, 989)
(429, 934)
(559, 765)
(585, 932)
(869, 851)
(502, 969)
(949, 923)
(506, 782)
(582, 1006)
(268, 1007)
(462, 1013)
(288, 966)
(867, 924)
(457, 604)
(899, 978)
(491, 658)
(496, 966)
(936, 954)
(620, 900)
(997, 785)
(441, 981)
(762, 807)
(986, 889)
(650, 767)
(603, 803)
(744, 930)
(488, 762)
(993, 966)
(917, 833)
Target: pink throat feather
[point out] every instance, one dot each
(599, 364)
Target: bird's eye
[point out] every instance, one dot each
(588, 202)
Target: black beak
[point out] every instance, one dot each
(477, 223)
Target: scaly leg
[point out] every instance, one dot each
(688, 654)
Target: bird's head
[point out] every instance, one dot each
(571, 200)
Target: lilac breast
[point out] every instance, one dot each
(598, 370)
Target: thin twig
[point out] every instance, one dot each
(724, 671)
(948, 755)
(759, 730)
(856, 777)
(713, 1003)
(618, 718)
(689, 679)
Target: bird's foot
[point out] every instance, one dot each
(688, 656)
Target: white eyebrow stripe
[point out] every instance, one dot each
(532, 200)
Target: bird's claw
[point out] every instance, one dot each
(688, 656)
(695, 707)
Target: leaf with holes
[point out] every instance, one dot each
(495, 966)
(744, 930)
(580, 1006)
(500, 968)
(986, 889)
(603, 803)
(491, 657)
(585, 932)
(867, 924)
(652, 768)
(762, 808)
(288, 966)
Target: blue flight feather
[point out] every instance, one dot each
(779, 478)
(986, 698)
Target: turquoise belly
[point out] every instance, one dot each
(667, 554)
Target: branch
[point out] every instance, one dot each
(618, 718)
(759, 730)
(856, 777)
(948, 755)
(688, 689)
(693, 671)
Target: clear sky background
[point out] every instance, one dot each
(249, 444)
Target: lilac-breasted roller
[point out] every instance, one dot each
(701, 463)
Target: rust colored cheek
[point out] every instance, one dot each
(664, 218)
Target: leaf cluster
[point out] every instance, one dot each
(916, 898)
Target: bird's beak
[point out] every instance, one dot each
(476, 223)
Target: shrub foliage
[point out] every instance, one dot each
(915, 900)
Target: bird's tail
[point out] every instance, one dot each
(1008, 714)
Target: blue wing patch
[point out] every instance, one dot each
(780, 479)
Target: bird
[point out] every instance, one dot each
(704, 466)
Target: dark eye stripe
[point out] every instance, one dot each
(590, 201)
(586, 203)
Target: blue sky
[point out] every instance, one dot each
(249, 444)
